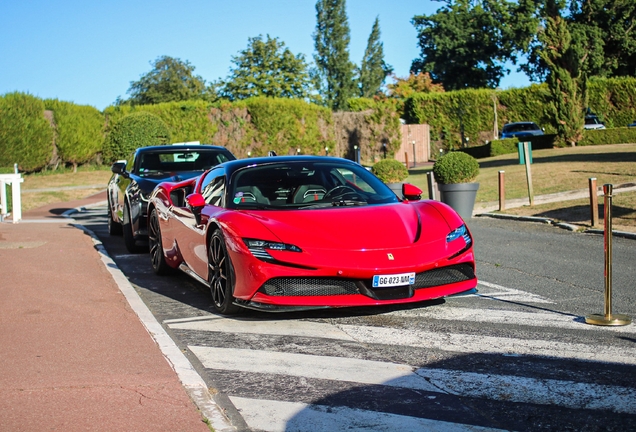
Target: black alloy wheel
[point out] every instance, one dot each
(220, 276)
(129, 238)
(157, 257)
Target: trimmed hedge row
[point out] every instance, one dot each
(138, 129)
(78, 131)
(474, 110)
(623, 135)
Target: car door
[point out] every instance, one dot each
(191, 229)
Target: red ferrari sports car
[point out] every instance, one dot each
(305, 232)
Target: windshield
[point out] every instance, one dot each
(520, 127)
(306, 185)
(165, 162)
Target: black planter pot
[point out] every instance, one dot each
(460, 196)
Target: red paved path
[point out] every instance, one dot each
(73, 355)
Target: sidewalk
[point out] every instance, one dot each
(74, 354)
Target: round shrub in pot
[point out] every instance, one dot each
(455, 173)
(392, 173)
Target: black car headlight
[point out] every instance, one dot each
(259, 248)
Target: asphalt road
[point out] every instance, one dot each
(515, 355)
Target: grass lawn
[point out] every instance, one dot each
(558, 170)
(69, 186)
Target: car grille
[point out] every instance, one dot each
(444, 275)
(308, 286)
(290, 286)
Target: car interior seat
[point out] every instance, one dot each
(308, 193)
(250, 194)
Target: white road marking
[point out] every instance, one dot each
(462, 343)
(509, 388)
(265, 327)
(510, 294)
(312, 366)
(275, 416)
(497, 316)
(569, 394)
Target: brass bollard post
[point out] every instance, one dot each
(608, 319)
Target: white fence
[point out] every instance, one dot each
(14, 180)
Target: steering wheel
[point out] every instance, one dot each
(339, 191)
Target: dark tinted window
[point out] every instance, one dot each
(167, 161)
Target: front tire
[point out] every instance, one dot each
(220, 276)
(129, 238)
(157, 257)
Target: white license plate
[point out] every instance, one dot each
(380, 281)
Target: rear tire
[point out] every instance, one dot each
(220, 276)
(114, 228)
(129, 238)
(157, 257)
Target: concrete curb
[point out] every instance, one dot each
(193, 383)
(563, 225)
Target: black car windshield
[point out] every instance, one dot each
(520, 127)
(306, 185)
(160, 162)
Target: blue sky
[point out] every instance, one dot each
(88, 52)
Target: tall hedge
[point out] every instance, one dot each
(26, 135)
(381, 127)
(287, 125)
(613, 99)
(139, 129)
(186, 121)
(79, 136)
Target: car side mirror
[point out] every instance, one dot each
(120, 168)
(411, 192)
(195, 203)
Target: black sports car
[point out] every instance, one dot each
(133, 181)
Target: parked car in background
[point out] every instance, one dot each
(520, 130)
(593, 122)
(632, 124)
(133, 181)
(306, 232)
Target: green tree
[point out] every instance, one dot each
(169, 80)
(563, 54)
(334, 76)
(467, 43)
(611, 30)
(267, 68)
(373, 70)
(422, 82)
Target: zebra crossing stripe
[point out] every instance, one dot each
(312, 366)
(507, 388)
(497, 316)
(264, 327)
(274, 416)
(509, 294)
(462, 343)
